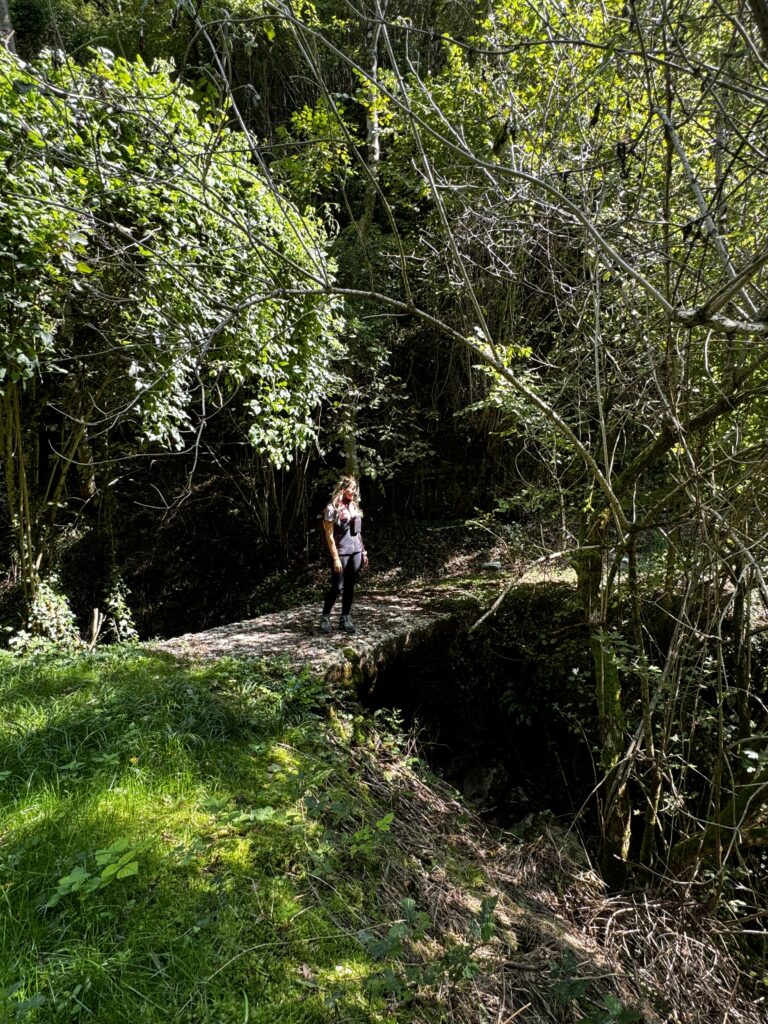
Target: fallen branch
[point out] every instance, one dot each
(516, 579)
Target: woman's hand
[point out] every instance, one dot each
(365, 559)
(336, 563)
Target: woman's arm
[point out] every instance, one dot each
(331, 542)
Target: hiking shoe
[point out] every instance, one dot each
(325, 623)
(345, 623)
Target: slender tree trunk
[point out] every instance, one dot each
(615, 808)
(759, 10)
(373, 144)
(671, 366)
(351, 461)
(7, 35)
(670, 389)
(373, 132)
(742, 644)
(17, 488)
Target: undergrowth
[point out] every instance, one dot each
(227, 843)
(189, 843)
(158, 827)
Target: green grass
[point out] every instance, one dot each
(237, 886)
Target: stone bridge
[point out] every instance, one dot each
(388, 624)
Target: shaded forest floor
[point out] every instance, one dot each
(180, 582)
(233, 842)
(176, 593)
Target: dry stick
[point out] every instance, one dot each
(517, 1013)
(515, 579)
(597, 348)
(96, 624)
(744, 549)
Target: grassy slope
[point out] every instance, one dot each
(267, 858)
(205, 771)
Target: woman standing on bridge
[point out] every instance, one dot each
(342, 523)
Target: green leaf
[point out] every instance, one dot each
(112, 852)
(109, 872)
(75, 878)
(35, 1001)
(129, 869)
(215, 803)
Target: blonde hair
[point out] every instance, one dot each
(345, 482)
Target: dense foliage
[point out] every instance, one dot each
(149, 277)
(229, 842)
(547, 228)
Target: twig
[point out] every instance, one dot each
(516, 579)
(518, 1012)
(96, 623)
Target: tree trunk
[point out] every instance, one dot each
(7, 35)
(615, 809)
(17, 489)
(372, 129)
(759, 10)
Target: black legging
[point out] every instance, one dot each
(344, 583)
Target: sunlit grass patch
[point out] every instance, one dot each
(219, 843)
(157, 834)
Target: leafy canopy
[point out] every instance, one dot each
(140, 248)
